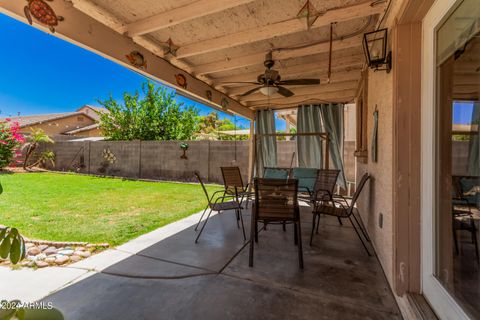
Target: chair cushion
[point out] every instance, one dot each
(306, 178)
(275, 173)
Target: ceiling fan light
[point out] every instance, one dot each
(268, 91)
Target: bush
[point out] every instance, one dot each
(10, 141)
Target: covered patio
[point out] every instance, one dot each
(178, 279)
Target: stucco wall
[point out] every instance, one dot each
(60, 125)
(96, 132)
(377, 198)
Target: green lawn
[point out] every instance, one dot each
(69, 207)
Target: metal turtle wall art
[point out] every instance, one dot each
(181, 80)
(43, 13)
(137, 59)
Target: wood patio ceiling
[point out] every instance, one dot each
(222, 41)
(225, 41)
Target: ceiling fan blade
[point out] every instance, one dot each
(284, 92)
(246, 82)
(249, 92)
(299, 82)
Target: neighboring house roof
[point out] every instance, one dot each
(240, 132)
(95, 111)
(82, 129)
(98, 109)
(25, 121)
(464, 128)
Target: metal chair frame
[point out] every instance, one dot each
(257, 215)
(345, 210)
(219, 205)
(325, 184)
(232, 178)
(462, 225)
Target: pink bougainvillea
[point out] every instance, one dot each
(10, 142)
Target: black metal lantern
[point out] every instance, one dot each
(375, 48)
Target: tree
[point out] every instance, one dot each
(33, 140)
(154, 116)
(211, 126)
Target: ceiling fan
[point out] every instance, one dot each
(269, 82)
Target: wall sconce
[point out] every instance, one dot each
(375, 48)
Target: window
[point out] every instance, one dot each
(361, 150)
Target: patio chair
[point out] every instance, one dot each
(218, 203)
(276, 202)
(324, 189)
(343, 210)
(463, 220)
(233, 182)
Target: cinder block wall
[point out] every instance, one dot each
(160, 160)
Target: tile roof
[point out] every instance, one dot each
(98, 109)
(25, 121)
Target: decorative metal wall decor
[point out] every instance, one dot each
(181, 80)
(109, 156)
(136, 59)
(224, 103)
(184, 147)
(310, 13)
(374, 135)
(208, 93)
(171, 48)
(43, 13)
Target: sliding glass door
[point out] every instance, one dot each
(450, 158)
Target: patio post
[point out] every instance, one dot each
(251, 150)
(327, 152)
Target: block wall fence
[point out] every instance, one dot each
(162, 160)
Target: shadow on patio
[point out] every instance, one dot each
(178, 279)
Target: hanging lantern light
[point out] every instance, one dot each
(375, 48)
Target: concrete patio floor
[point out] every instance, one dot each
(178, 279)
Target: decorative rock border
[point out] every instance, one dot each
(41, 254)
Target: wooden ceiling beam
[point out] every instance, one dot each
(103, 16)
(100, 14)
(258, 58)
(279, 29)
(340, 96)
(305, 90)
(462, 79)
(179, 15)
(340, 64)
(336, 78)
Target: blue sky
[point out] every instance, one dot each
(40, 73)
(462, 112)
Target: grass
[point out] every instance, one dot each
(69, 207)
